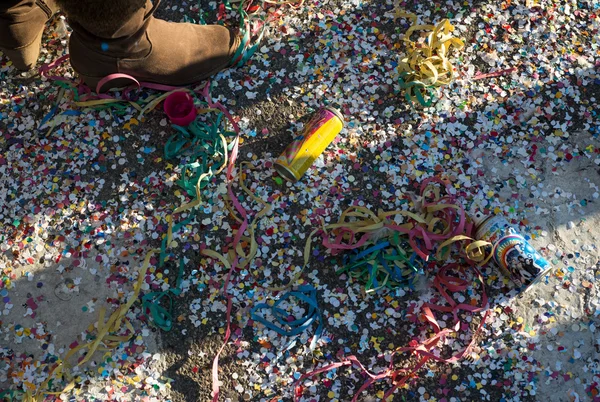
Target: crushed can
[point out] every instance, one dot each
(319, 132)
(517, 259)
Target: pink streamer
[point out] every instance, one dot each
(443, 282)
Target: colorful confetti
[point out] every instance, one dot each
(88, 189)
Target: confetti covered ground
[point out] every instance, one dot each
(85, 193)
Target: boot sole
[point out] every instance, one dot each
(118, 83)
(25, 57)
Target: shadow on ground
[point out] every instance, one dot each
(511, 174)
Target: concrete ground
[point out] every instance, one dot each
(84, 196)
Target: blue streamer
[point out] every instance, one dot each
(48, 116)
(307, 294)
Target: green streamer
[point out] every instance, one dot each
(388, 263)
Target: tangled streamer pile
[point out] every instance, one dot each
(425, 65)
(439, 227)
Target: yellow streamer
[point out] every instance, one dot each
(156, 101)
(102, 102)
(426, 63)
(113, 324)
(104, 340)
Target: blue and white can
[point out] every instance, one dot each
(517, 259)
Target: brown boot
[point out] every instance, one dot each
(122, 36)
(22, 24)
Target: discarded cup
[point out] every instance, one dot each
(179, 107)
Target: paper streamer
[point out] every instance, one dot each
(290, 326)
(426, 65)
(436, 227)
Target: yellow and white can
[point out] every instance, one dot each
(319, 132)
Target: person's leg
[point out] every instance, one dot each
(122, 36)
(22, 24)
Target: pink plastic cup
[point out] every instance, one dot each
(179, 107)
